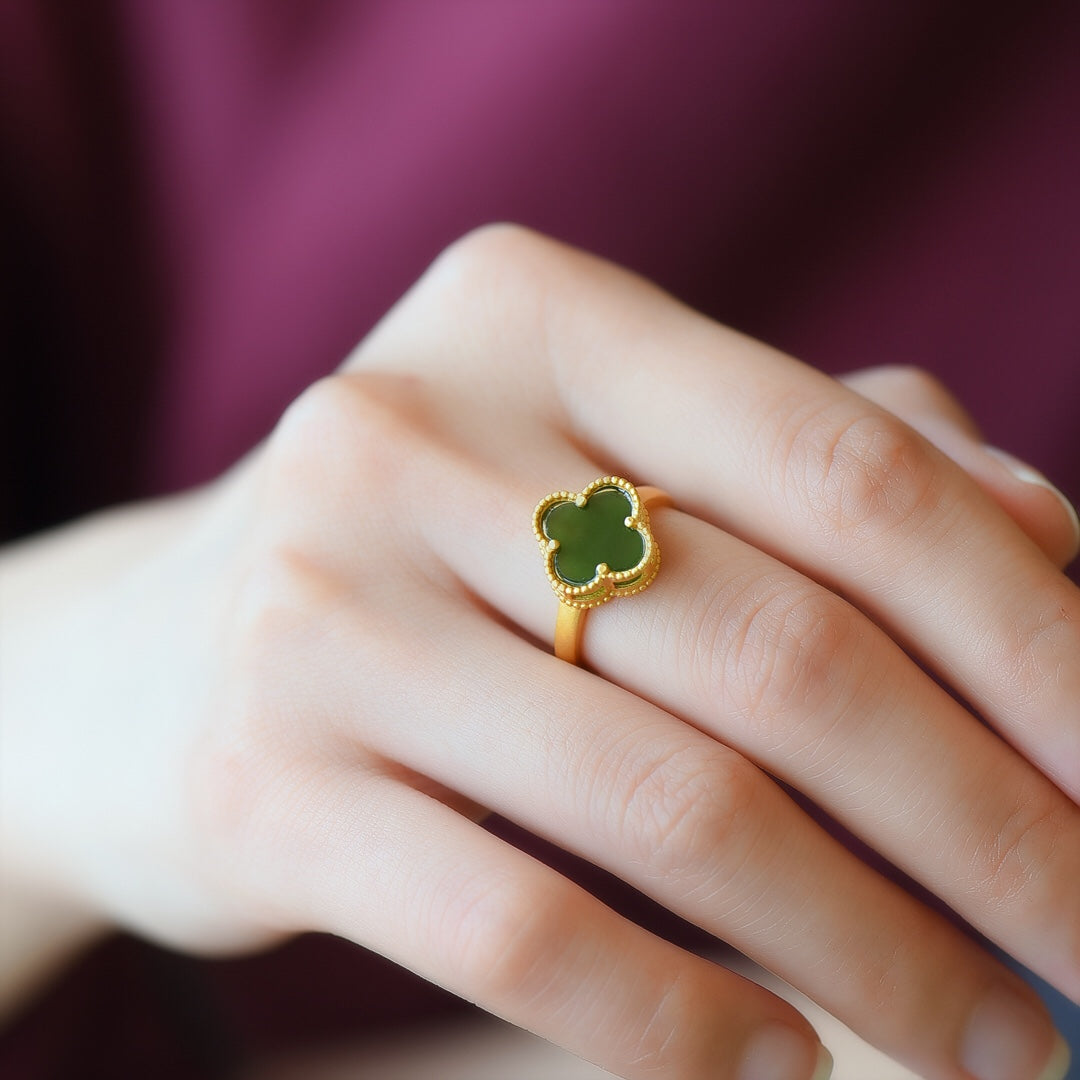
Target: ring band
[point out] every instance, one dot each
(597, 544)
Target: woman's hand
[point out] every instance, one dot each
(284, 702)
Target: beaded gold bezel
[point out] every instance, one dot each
(607, 584)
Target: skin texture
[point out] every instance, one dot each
(287, 699)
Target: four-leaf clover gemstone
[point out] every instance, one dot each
(597, 543)
(593, 535)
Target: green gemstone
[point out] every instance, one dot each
(592, 534)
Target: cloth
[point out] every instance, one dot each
(207, 203)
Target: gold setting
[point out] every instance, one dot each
(576, 600)
(607, 583)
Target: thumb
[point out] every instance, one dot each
(923, 403)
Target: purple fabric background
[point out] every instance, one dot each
(855, 183)
(854, 187)
(207, 204)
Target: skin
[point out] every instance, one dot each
(285, 701)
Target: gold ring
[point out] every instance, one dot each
(597, 544)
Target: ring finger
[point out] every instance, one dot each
(769, 662)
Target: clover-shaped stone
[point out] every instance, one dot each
(596, 543)
(593, 535)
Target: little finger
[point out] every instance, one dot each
(369, 858)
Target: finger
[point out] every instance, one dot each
(689, 821)
(922, 402)
(798, 680)
(363, 856)
(484, 514)
(805, 469)
(749, 650)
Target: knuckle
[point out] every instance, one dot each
(862, 476)
(500, 290)
(783, 655)
(239, 790)
(506, 935)
(486, 262)
(917, 382)
(293, 620)
(678, 809)
(662, 1045)
(490, 271)
(228, 780)
(484, 297)
(881, 974)
(346, 433)
(1010, 858)
(286, 589)
(319, 411)
(491, 244)
(518, 946)
(1040, 653)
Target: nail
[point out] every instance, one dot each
(778, 1052)
(1057, 1067)
(1028, 475)
(825, 1065)
(1007, 1039)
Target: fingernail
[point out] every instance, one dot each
(824, 1065)
(1058, 1066)
(778, 1052)
(1028, 475)
(1007, 1039)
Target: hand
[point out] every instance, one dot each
(284, 702)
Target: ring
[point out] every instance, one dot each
(597, 544)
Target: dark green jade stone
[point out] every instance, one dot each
(592, 534)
